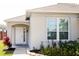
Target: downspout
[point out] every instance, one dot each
(28, 15)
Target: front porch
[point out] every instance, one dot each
(20, 33)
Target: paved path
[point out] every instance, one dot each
(24, 52)
(20, 51)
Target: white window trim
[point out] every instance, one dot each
(69, 19)
(57, 29)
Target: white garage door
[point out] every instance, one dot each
(20, 35)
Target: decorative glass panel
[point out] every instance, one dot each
(23, 35)
(52, 28)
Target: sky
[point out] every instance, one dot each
(13, 8)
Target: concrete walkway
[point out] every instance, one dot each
(24, 52)
(20, 51)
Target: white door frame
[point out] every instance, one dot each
(23, 34)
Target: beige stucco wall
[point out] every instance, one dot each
(74, 28)
(78, 29)
(38, 30)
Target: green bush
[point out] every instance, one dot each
(70, 48)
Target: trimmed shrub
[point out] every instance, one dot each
(70, 48)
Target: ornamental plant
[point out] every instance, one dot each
(6, 42)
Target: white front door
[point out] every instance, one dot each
(20, 35)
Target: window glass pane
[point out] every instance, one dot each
(63, 35)
(52, 28)
(63, 29)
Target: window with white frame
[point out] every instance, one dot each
(57, 28)
(63, 28)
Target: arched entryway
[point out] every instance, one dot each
(20, 34)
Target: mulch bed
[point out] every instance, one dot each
(11, 50)
(35, 51)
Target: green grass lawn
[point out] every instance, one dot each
(4, 53)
